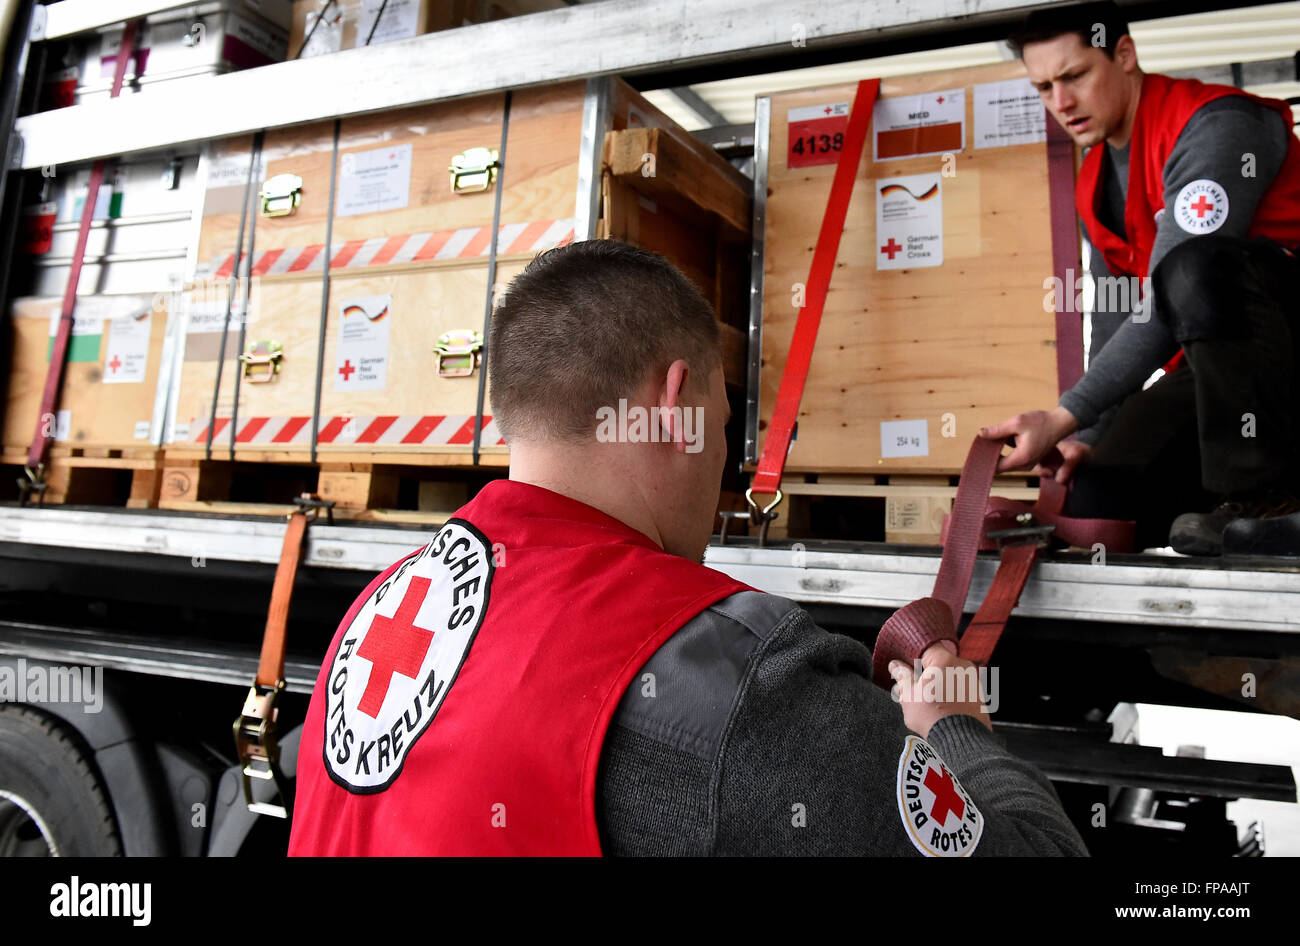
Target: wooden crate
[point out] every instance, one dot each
(949, 348)
(424, 264)
(101, 414)
(662, 192)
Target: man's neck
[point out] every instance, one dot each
(615, 495)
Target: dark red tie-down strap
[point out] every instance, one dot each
(917, 626)
(44, 434)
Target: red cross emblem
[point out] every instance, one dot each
(946, 798)
(1201, 206)
(828, 110)
(939, 100)
(394, 645)
(115, 364)
(891, 248)
(347, 369)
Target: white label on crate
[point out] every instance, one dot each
(1008, 113)
(909, 222)
(126, 356)
(377, 180)
(142, 430)
(231, 170)
(325, 38)
(401, 20)
(361, 362)
(205, 316)
(180, 432)
(911, 126)
(82, 323)
(904, 438)
(63, 425)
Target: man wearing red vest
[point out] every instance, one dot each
(557, 673)
(1198, 188)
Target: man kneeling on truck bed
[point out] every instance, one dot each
(1198, 187)
(556, 672)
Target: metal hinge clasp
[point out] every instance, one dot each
(281, 195)
(474, 170)
(261, 361)
(459, 352)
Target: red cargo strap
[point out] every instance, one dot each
(767, 479)
(974, 524)
(59, 355)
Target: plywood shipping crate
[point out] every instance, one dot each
(410, 243)
(108, 410)
(939, 318)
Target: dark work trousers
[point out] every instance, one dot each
(1228, 420)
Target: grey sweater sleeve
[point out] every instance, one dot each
(1108, 314)
(1213, 145)
(766, 736)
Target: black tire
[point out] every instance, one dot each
(52, 801)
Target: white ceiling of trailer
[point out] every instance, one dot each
(1171, 44)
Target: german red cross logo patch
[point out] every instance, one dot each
(400, 656)
(938, 815)
(1201, 207)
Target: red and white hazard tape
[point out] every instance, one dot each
(465, 243)
(421, 429)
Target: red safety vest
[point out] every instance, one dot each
(463, 703)
(1164, 107)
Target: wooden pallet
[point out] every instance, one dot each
(100, 476)
(898, 508)
(363, 490)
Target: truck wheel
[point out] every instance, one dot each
(52, 802)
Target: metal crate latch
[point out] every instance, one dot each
(474, 170)
(459, 352)
(281, 195)
(261, 361)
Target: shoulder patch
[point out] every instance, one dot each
(399, 657)
(1201, 207)
(937, 814)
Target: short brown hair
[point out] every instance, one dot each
(585, 325)
(1082, 20)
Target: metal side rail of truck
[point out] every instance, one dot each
(128, 638)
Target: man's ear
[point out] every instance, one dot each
(670, 403)
(1126, 53)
